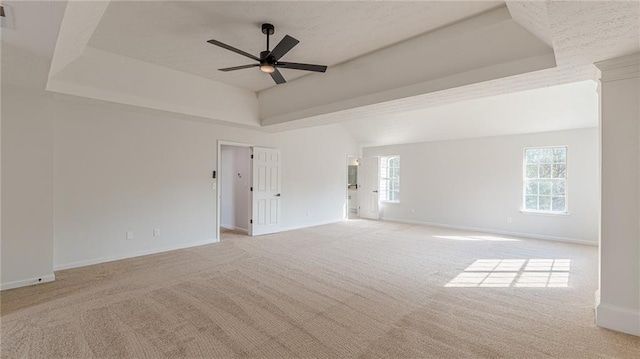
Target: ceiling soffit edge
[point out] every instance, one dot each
(358, 83)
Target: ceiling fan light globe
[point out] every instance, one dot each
(267, 68)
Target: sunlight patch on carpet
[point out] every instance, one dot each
(520, 273)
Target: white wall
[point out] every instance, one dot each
(27, 188)
(477, 183)
(118, 171)
(78, 174)
(314, 174)
(234, 182)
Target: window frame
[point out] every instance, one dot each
(381, 179)
(524, 209)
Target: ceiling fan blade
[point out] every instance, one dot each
(238, 67)
(231, 48)
(277, 77)
(305, 67)
(286, 44)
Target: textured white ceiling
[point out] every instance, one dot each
(532, 15)
(548, 109)
(585, 32)
(524, 82)
(581, 33)
(174, 34)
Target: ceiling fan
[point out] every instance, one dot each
(269, 60)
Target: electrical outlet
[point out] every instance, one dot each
(156, 232)
(509, 219)
(413, 211)
(130, 235)
(308, 213)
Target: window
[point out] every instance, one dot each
(390, 178)
(545, 180)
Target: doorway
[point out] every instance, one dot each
(247, 181)
(352, 186)
(234, 185)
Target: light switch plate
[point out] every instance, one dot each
(130, 235)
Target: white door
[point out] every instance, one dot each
(368, 188)
(265, 193)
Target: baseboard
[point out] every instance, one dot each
(25, 282)
(89, 262)
(617, 318)
(493, 231)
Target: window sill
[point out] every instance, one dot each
(394, 202)
(543, 213)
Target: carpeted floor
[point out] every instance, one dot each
(360, 288)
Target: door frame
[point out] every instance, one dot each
(216, 182)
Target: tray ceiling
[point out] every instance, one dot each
(174, 34)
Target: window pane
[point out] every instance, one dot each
(389, 178)
(558, 203)
(531, 187)
(546, 155)
(560, 155)
(544, 203)
(545, 187)
(559, 170)
(545, 171)
(530, 156)
(383, 189)
(558, 187)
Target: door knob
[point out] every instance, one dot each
(277, 194)
(376, 191)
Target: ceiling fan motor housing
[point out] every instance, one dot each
(268, 29)
(265, 58)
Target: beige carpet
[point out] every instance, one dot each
(361, 289)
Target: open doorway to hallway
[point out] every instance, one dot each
(352, 186)
(234, 186)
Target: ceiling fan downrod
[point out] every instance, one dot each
(268, 30)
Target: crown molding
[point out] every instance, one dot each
(619, 68)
